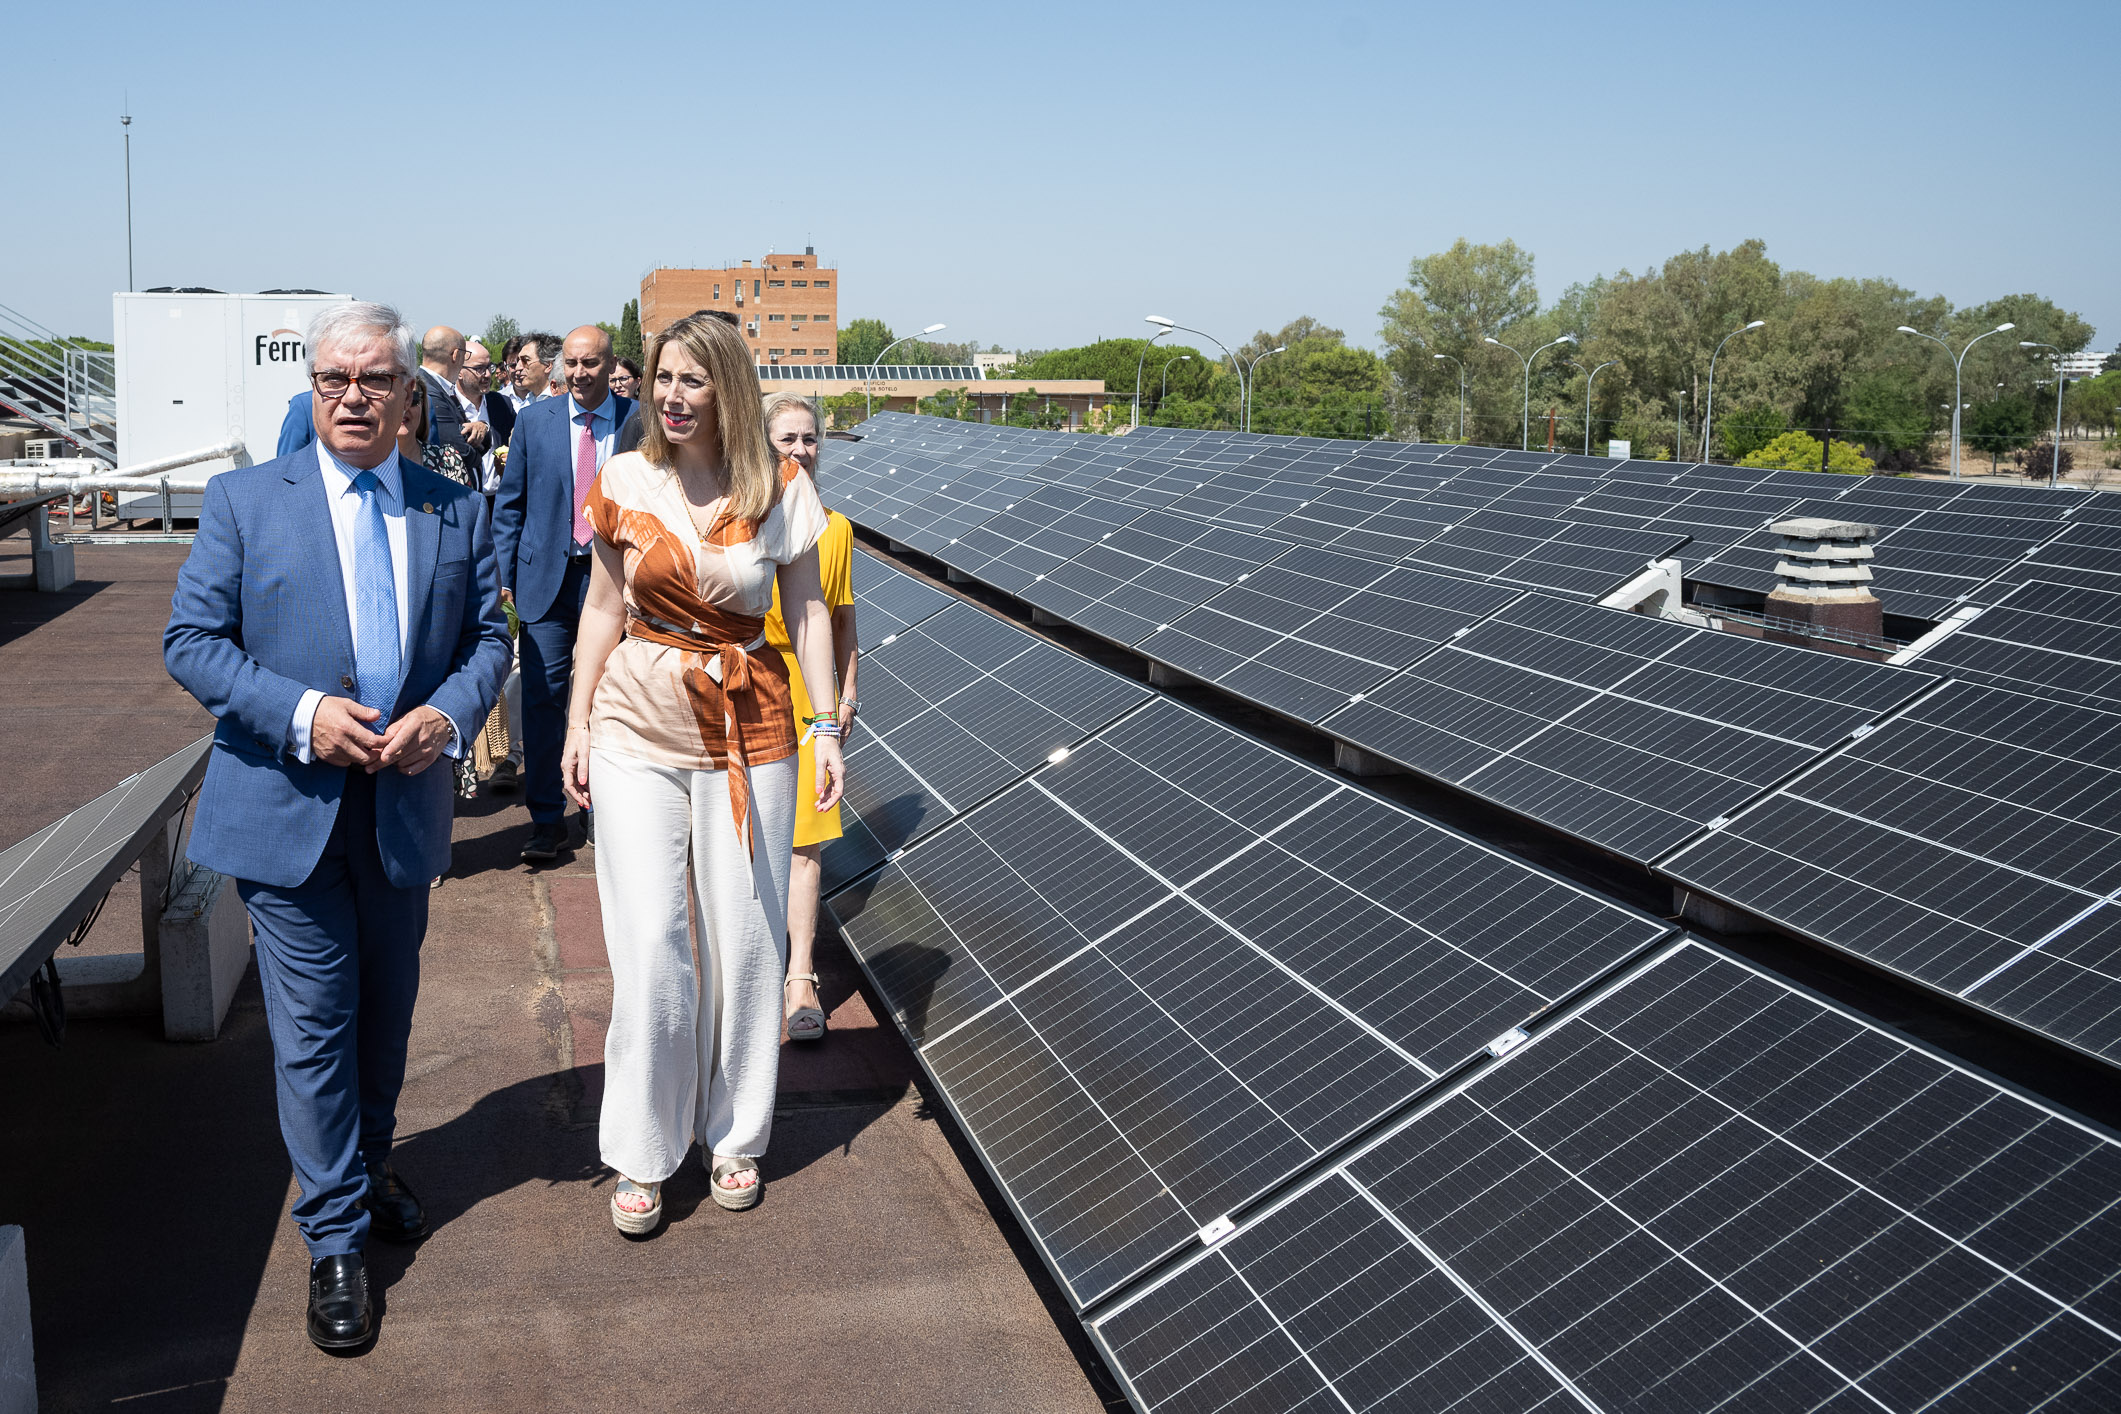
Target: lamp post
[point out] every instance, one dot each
(2054, 468)
(1527, 362)
(1679, 426)
(1587, 401)
(1166, 390)
(1958, 362)
(1168, 326)
(866, 382)
(1235, 366)
(125, 121)
(1250, 368)
(1708, 416)
(1461, 392)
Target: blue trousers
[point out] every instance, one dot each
(339, 955)
(547, 649)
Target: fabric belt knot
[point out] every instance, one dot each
(727, 663)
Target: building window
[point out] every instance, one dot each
(821, 319)
(800, 284)
(775, 318)
(717, 291)
(754, 289)
(796, 264)
(799, 353)
(797, 318)
(776, 284)
(822, 284)
(770, 353)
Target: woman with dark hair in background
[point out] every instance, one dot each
(626, 378)
(681, 730)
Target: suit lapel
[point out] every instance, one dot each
(316, 544)
(423, 545)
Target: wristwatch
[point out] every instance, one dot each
(853, 709)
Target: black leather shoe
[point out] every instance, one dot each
(545, 841)
(394, 1215)
(340, 1316)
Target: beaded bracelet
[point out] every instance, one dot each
(825, 728)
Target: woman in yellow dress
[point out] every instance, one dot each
(792, 427)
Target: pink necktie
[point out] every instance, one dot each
(585, 472)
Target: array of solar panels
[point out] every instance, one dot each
(1465, 650)
(862, 372)
(1310, 1103)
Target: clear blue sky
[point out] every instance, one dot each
(1043, 175)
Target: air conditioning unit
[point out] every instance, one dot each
(40, 449)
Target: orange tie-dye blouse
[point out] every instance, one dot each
(693, 668)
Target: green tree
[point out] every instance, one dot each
(626, 343)
(1999, 425)
(844, 410)
(955, 403)
(1749, 429)
(499, 330)
(1799, 451)
(863, 339)
(1453, 301)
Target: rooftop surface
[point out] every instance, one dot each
(881, 1271)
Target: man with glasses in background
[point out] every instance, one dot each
(338, 615)
(530, 369)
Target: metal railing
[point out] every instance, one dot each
(60, 386)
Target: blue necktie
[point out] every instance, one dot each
(376, 652)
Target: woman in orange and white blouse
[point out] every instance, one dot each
(681, 730)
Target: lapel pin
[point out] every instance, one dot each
(428, 506)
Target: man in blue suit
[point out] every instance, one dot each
(339, 616)
(542, 543)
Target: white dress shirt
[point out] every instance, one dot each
(475, 411)
(345, 503)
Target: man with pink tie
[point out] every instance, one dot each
(543, 545)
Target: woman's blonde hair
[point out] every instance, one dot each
(778, 403)
(747, 460)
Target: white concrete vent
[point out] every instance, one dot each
(1823, 559)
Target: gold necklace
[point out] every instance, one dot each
(686, 500)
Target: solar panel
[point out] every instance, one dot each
(1704, 1190)
(1147, 572)
(2061, 639)
(953, 711)
(1159, 976)
(2086, 553)
(1035, 536)
(1314, 628)
(1957, 845)
(1564, 557)
(888, 601)
(1627, 731)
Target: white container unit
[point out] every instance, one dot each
(196, 369)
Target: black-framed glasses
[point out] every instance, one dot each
(334, 383)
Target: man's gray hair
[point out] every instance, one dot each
(361, 318)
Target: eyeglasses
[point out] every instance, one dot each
(334, 383)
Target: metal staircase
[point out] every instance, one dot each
(68, 391)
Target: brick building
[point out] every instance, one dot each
(786, 305)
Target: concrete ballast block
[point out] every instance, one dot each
(205, 951)
(18, 1366)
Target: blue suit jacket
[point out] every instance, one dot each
(259, 616)
(533, 513)
(297, 430)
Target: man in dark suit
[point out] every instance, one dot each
(441, 357)
(543, 544)
(339, 616)
(489, 418)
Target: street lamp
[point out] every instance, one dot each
(1235, 367)
(1708, 416)
(1247, 381)
(931, 329)
(1527, 362)
(1168, 327)
(1958, 360)
(1587, 402)
(2054, 468)
(1166, 390)
(1679, 426)
(125, 121)
(1461, 393)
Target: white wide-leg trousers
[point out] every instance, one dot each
(693, 1053)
